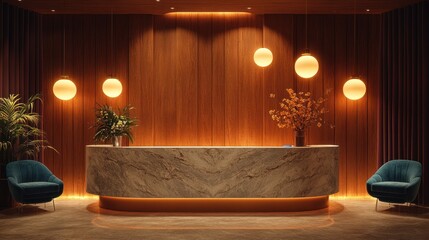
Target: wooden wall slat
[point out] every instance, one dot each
(88, 84)
(373, 87)
(328, 74)
(340, 42)
(232, 128)
(165, 118)
(316, 84)
(218, 80)
(249, 89)
(186, 100)
(141, 76)
(205, 80)
(279, 38)
(362, 104)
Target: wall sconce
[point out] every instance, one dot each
(263, 57)
(354, 89)
(112, 87)
(64, 89)
(306, 66)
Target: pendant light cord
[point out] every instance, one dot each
(354, 37)
(306, 25)
(112, 61)
(263, 26)
(64, 45)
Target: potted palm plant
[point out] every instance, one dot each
(20, 136)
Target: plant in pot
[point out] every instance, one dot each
(299, 111)
(111, 126)
(20, 136)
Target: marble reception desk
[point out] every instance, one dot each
(212, 172)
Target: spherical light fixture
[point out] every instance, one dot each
(354, 89)
(263, 57)
(112, 87)
(64, 89)
(306, 66)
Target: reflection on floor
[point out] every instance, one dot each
(83, 219)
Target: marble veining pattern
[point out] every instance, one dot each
(212, 172)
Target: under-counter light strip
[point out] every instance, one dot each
(208, 13)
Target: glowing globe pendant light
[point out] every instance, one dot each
(263, 57)
(354, 89)
(64, 89)
(112, 87)
(306, 66)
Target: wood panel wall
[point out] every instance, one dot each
(192, 79)
(19, 51)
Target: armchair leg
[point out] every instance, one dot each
(20, 208)
(376, 204)
(53, 203)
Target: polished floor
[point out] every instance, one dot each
(344, 219)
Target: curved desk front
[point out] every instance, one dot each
(212, 178)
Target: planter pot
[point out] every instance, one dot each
(117, 141)
(300, 138)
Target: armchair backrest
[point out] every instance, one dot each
(400, 170)
(28, 171)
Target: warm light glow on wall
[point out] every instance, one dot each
(263, 57)
(112, 87)
(306, 66)
(64, 89)
(354, 89)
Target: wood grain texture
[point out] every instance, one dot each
(193, 81)
(19, 59)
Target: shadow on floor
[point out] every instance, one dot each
(26, 211)
(404, 210)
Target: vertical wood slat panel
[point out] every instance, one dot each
(250, 82)
(205, 80)
(186, 58)
(351, 116)
(373, 88)
(66, 117)
(340, 101)
(88, 85)
(316, 84)
(328, 75)
(362, 34)
(279, 75)
(232, 128)
(77, 144)
(218, 80)
(165, 119)
(141, 77)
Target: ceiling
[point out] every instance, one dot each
(165, 6)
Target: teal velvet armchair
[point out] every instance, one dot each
(31, 182)
(397, 181)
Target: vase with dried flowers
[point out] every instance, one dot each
(111, 126)
(299, 111)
